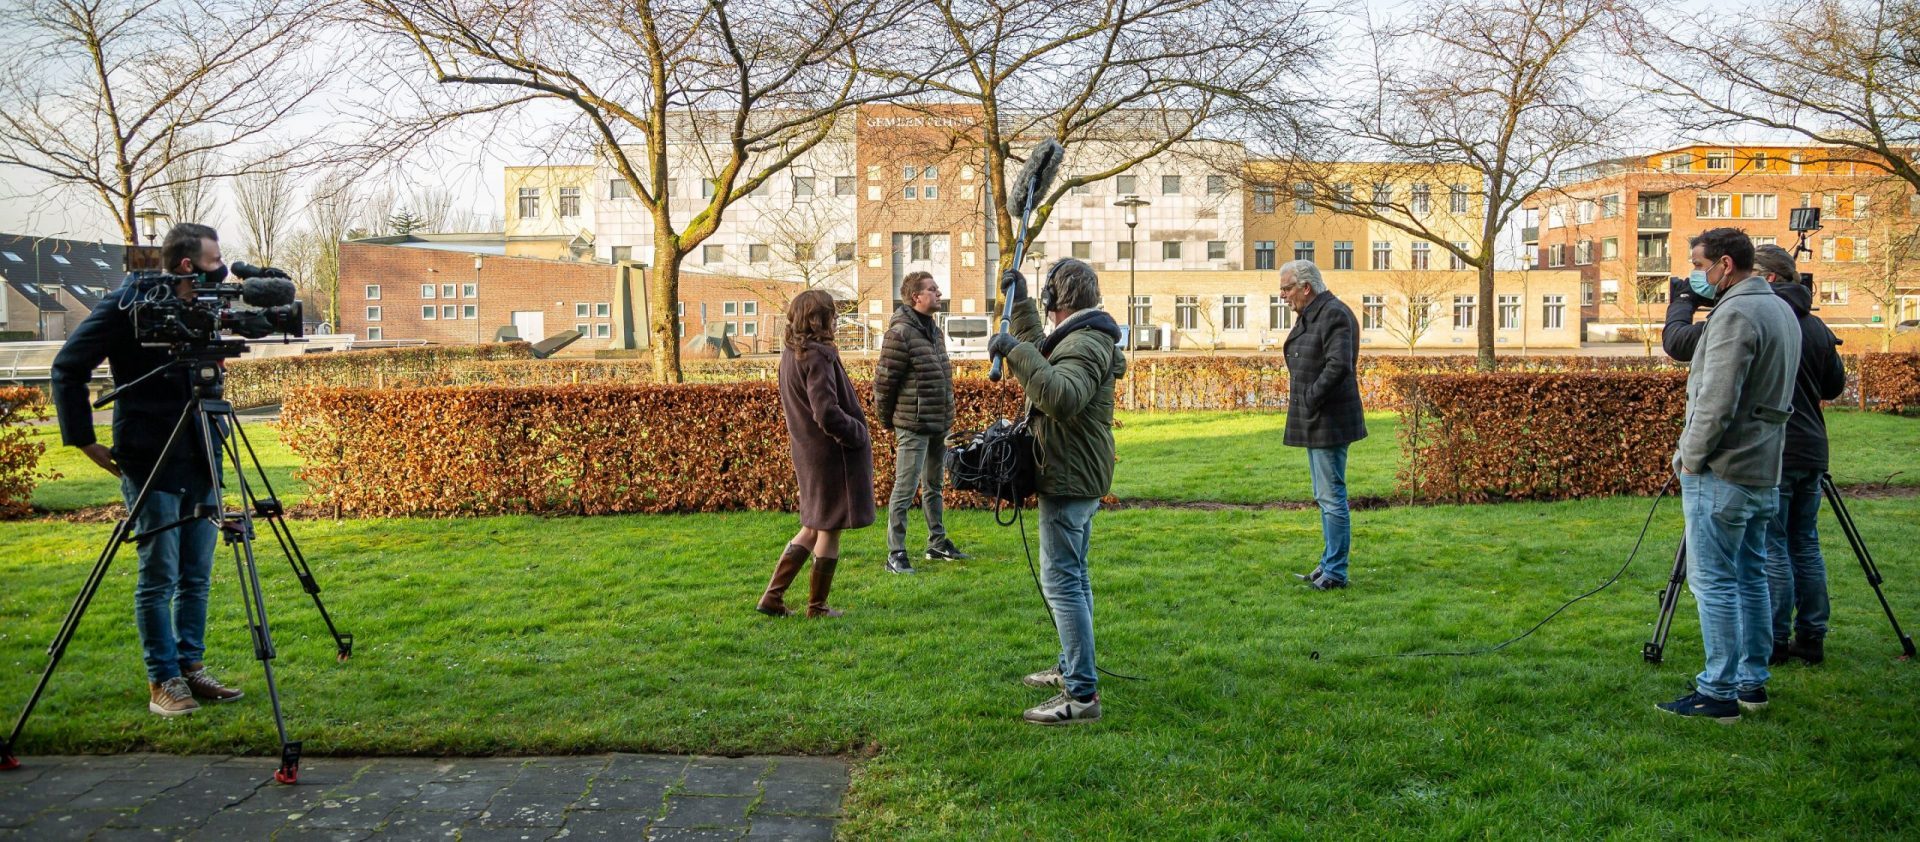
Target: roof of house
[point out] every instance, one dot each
(39, 267)
(38, 296)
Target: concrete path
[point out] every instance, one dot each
(615, 797)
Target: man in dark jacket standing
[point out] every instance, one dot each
(1068, 375)
(1796, 571)
(176, 547)
(913, 390)
(1323, 410)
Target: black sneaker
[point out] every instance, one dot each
(897, 562)
(945, 551)
(1754, 699)
(1327, 583)
(1811, 650)
(1725, 711)
(1779, 656)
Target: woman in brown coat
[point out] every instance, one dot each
(832, 453)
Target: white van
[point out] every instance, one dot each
(966, 335)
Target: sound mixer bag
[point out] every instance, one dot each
(997, 461)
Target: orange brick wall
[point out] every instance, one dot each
(504, 285)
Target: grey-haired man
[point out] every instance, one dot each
(1323, 407)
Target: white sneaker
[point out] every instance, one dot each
(1063, 709)
(1046, 679)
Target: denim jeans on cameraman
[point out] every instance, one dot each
(176, 569)
(919, 462)
(1727, 572)
(1796, 572)
(1066, 526)
(1328, 465)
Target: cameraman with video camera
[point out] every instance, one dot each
(176, 564)
(1796, 570)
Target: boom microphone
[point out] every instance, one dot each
(267, 291)
(1043, 163)
(248, 270)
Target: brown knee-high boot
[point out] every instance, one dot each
(820, 582)
(783, 575)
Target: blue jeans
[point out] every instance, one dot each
(1066, 526)
(1328, 465)
(176, 568)
(1727, 571)
(1796, 572)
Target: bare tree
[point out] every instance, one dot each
(190, 193)
(1493, 99)
(1884, 266)
(755, 84)
(433, 205)
(1117, 82)
(264, 199)
(1410, 314)
(331, 216)
(1843, 73)
(106, 95)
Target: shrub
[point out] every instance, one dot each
(592, 449)
(19, 454)
(1891, 381)
(1471, 438)
(267, 380)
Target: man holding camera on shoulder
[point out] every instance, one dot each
(1739, 397)
(1068, 375)
(1796, 571)
(176, 561)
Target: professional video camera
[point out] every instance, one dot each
(162, 317)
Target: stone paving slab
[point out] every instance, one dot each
(511, 799)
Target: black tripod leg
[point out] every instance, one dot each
(270, 509)
(1655, 650)
(122, 532)
(1867, 566)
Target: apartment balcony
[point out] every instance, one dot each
(1656, 221)
(1656, 265)
(1530, 234)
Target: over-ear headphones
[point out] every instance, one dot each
(1049, 294)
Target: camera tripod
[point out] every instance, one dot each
(1655, 649)
(203, 366)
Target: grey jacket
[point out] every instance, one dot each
(1740, 388)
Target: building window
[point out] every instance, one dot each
(1263, 254)
(1216, 185)
(1583, 211)
(1583, 252)
(1454, 260)
(1216, 249)
(580, 310)
(620, 254)
(802, 187)
(602, 309)
(1610, 248)
(712, 253)
(844, 185)
(757, 253)
(1279, 314)
(1140, 309)
(707, 188)
(1302, 198)
(1760, 161)
(373, 314)
(618, 188)
(1557, 254)
(843, 252)
(749, 308)
(1759, 206)
(1646, 291)
(1553, 311)
(910, 192)
(680, 316)
(1186, 312)
(373, 334)
(1343, 254)
(529, 202)
(427, 311)
(583, 330)
(1082, 250)
(1422, 199)
(1343, 197)
(1303, 249)
(1609, 291)
(1457, 198)
(749, 328)
(426, 290)
(1586, 293)
(919, 247)
(469, 311)
(1170, 250)
(373, 292)
(1382, 255)
(761, 190)
(1680, 163)
(1713, 206)
(1373, 312)
(449, 311)
(569, 202)
(1233, 312)
(1793, 163)
(729, 309)
(1833, 292)
(446, 290)
(1556, 216)
(469, 291)
(1080, 189)
(1463, 310)
(1382, 196)
(803, 252)
(1509, 312)
(1169, 185)
(1610, 206)
(1719, 161)
(602, 330)
(930, 191)
(1123, 251)
(1263, 200)
(1126, 185)
(1422, 254)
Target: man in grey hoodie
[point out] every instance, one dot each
(1739, 396)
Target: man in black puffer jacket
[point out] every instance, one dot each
(913, 391)
(1796, 571)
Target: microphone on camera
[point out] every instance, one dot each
(266, 291)
(248, 270)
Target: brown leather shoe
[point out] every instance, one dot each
(205, 686)
(771, 602)
(171, 697)
(817, 587)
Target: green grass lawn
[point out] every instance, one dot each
(83, 484)
(637, 633)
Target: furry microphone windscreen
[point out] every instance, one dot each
(1043, 163)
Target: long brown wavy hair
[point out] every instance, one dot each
(810, 317)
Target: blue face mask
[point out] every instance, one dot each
(1698, 280)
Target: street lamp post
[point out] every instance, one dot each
(1131, 205)
(149, 218)
(477, 321)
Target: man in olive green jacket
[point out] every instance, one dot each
(1068, 375)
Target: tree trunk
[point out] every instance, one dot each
(662, 298)
(1486, 314)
